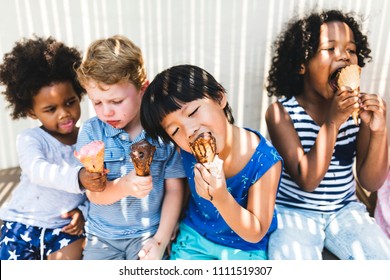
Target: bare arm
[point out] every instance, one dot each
(170, 212)
(308, 169)
(372, 147)
(251, 223)
(129, 185)
(171, 209)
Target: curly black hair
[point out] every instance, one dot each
(299, 43)
(35, 63)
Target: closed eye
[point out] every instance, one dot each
(193, 112)
(176, 130)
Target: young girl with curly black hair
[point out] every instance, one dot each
(42, 219)
(312, 128)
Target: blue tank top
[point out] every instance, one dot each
(338, 186)
(202, 216)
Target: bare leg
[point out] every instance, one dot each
(71, 252)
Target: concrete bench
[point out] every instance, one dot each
(9, 178)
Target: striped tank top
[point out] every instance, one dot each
(338, 187)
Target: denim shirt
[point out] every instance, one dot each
(129, 217)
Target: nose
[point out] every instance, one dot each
(191, 132)
(63, 113)
(107, 110)
(344, 55)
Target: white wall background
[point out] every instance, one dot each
(230, 38)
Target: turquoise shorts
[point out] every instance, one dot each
(190, 245)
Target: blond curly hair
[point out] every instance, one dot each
(111, 61)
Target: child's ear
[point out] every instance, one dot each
(31, 114)
(145, 86)
(302, 70)
(223, 100)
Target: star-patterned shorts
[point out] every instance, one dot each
(22, 242)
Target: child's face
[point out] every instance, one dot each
(336, 49)
(57, 107)
(201, 115)
(117, 105)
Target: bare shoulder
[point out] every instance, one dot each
(276, 112)
(247, 138)
(281, 129)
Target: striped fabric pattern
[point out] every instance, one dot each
(129, 217)
(338, 186)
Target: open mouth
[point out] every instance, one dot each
(333, 79)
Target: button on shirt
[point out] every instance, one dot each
(129, 217)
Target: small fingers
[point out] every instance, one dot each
(344, 90)
(208, 192)
(142, 254)
(142, 191)
(203, 182)
(70, 229)
(203, 171)
(75, 231)
(372, 102)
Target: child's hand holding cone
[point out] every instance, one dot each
(92, 156)
(350, 76)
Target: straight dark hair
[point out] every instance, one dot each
(171, 89)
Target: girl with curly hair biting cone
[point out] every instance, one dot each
(312, 129)
(230, 211)
(42, 219)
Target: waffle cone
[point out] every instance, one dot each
(350, 76)
(204, 148)
(92, 156)
(355, 116)
(141, 155)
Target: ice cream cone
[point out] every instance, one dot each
(141, 155)
(204, 148)
(350, 76)
(92, 156)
